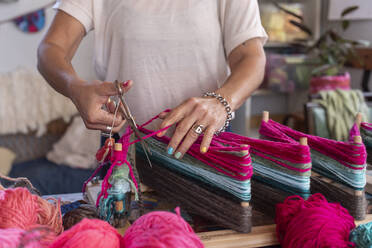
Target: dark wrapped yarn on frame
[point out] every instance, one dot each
(74, 216)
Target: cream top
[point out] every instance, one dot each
(171, 49)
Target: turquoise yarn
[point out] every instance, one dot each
(362, 236)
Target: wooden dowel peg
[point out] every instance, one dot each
(265, 116)
(358, 119)
(247, 151)
(358, 192)
(303, 141)
(119, 206)
(118, 147)
(358, 139)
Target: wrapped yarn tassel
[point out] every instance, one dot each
(104, 153)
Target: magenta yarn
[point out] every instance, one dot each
(314, 223)
(160, 229)
(367, 126)
(345, 153)
(217, 157)
(88, 233)
(354, 131)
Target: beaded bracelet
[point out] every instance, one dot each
(230, 114)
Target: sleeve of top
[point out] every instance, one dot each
(81, 10)
(240, 21)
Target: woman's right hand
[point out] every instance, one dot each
(90, 97)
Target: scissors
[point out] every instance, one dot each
(129, 117)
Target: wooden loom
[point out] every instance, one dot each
(205, 200)
(368, 187)
(199, 199)
(352, 199)
(265, 197)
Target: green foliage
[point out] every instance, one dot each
(331, 51)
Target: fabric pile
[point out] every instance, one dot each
(28, 103)
(341, 106)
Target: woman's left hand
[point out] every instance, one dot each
(205, 111)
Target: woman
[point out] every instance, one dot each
(173, 51)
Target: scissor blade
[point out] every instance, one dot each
(128, 116)
(144, 145)
(147, 155)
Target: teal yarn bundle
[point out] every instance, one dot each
(362, 236)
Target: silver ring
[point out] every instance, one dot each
(199, 129)
(108, 128)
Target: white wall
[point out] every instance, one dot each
(359, 30)
(19, 49)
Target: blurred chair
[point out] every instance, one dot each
(31, 162)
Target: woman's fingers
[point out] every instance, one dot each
(177, 114)
(173, 117)
(118, 128)
(105, 128)
(191, 137)
(106, 118)
(207, 139)
(109, 88)
(111, 106)
(181, 131)
(163, 115)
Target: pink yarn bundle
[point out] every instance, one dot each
(88, 233)
(23, 210)
(313, 223)
(161, 229)
(15, 237)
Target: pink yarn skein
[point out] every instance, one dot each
(160, 229)
(21, 209)
(89, 233)
(314, 223)
(15, 237)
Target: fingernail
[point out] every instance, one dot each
(203, 149)
(170, 150)
(178, 155)
(125, 84)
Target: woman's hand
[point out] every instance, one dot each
(206, 111)
(90, 97)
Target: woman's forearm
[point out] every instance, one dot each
(247, 64)
(56, 67)
(56, 51)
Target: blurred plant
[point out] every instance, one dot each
(331, 51)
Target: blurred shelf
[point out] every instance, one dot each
(267, 92)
